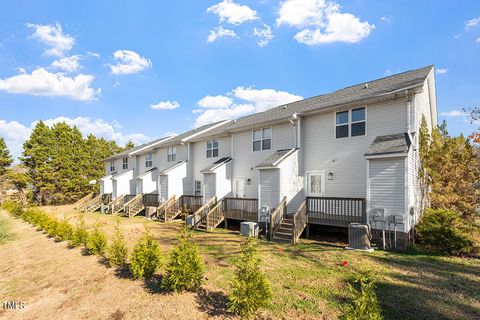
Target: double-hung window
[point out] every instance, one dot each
(262, 139)
(171, 154)
(148, 160)
(198, 188)
(112, 166)
(350, 123)
(125, 163)
(212, 148)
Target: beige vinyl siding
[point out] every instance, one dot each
(245, 159)
(344, 157)
(387, 185)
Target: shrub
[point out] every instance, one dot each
(5, 232)
(446, 231)
(365, 304)
(51, 226)
(117, 252)
(250, 288)
(185, 267)
(64, 230)
(10, 205)
(146, 257)
(80, 235)
(97, 241)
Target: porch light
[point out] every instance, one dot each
(330, 176)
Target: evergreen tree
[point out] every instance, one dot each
(5, 158)
(129, 145)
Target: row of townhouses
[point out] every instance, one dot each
(342, 157)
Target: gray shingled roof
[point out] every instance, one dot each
(374, 89)
(127, 152)
(275, 159)
(216, 164)
(392, 143)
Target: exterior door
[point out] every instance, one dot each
(164, 188)
(316, 183)
(240, 188)
(209, 186)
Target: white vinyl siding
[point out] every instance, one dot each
(163, 180)
(123, 184)
(147, 183)
(291, 182)
(269, 188)
(387, 185)
(208, 186)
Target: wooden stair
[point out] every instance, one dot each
(211, 216)
(92, 205)
(134, 206)
(116, 206)
(169, 210)
(284, 231)
(82, 202)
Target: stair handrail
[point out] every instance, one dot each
(215, 215)
(276, 217)
(112, 205)
(91, 203)
(166, 205)
(132, 202)
(300, 220)
(201, 212)
(83, 200)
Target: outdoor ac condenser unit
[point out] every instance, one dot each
(359, 236)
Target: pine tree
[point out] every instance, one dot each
(5, 158)
(117, 252)
(129, 145)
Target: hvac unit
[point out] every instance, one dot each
(359, 236)
(249, 229)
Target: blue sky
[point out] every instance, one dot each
(137, 70)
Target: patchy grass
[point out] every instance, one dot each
(5, 231)
(308, 279)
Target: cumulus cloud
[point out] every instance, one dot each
(441, 71)
(53, 37)
(68, 64)
(44, 83)
(321, 22)
(453, 113)
(165, 105)
(16, 133)
(220, 32)
(233, 13)
(264, 35)
(239, 102)
(472, 23)
(129, 62)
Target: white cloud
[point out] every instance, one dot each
(472, 23)
(478, 40)
(453, 113)
(441, 71)
(16, 133)
(68, 64)
(243, 101)
(386, 19)
(129, 62)
(53, 37)
(165, 105)
(233, 13)
(220, 32)
(264, 35)
(215, 102)
(93, 54)
(388, 72)
(43, 83)
(321, 22)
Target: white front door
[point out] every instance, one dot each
(316, 183)
(239, 188)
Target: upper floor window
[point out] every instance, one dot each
(148, 160)
(125, 163)
(112, 165)
(350, 123)
(262, 139)
(212, 148)
(171, 154)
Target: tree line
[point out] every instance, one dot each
(57, 163)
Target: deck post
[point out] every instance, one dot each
(307, 232)
(226, 223)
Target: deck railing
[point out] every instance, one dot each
(130, 205)
(151, 200)
(192, 203)
(166, 207)
(277, 216)
(300, 220)
(83, 201)
(335, 211)
(245, 209)
(215, 216)
(202, 212)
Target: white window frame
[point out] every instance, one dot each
(171, 154)
(125, 163)
(212, 148)
(148, 160)
(349, 123)
(262, 139)
(322, 183)
(197, 191)
(112, 166)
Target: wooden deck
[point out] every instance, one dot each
(244, 209)
(338, 212)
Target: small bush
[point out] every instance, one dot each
(97, 241)
(64, 230)
(117, 252)
(445, 230)
(250, 288)
(5, 232)
(80, 234)
(365, 304)
(146, 257)
(185, 267)
(51, 226)
(10, 205)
